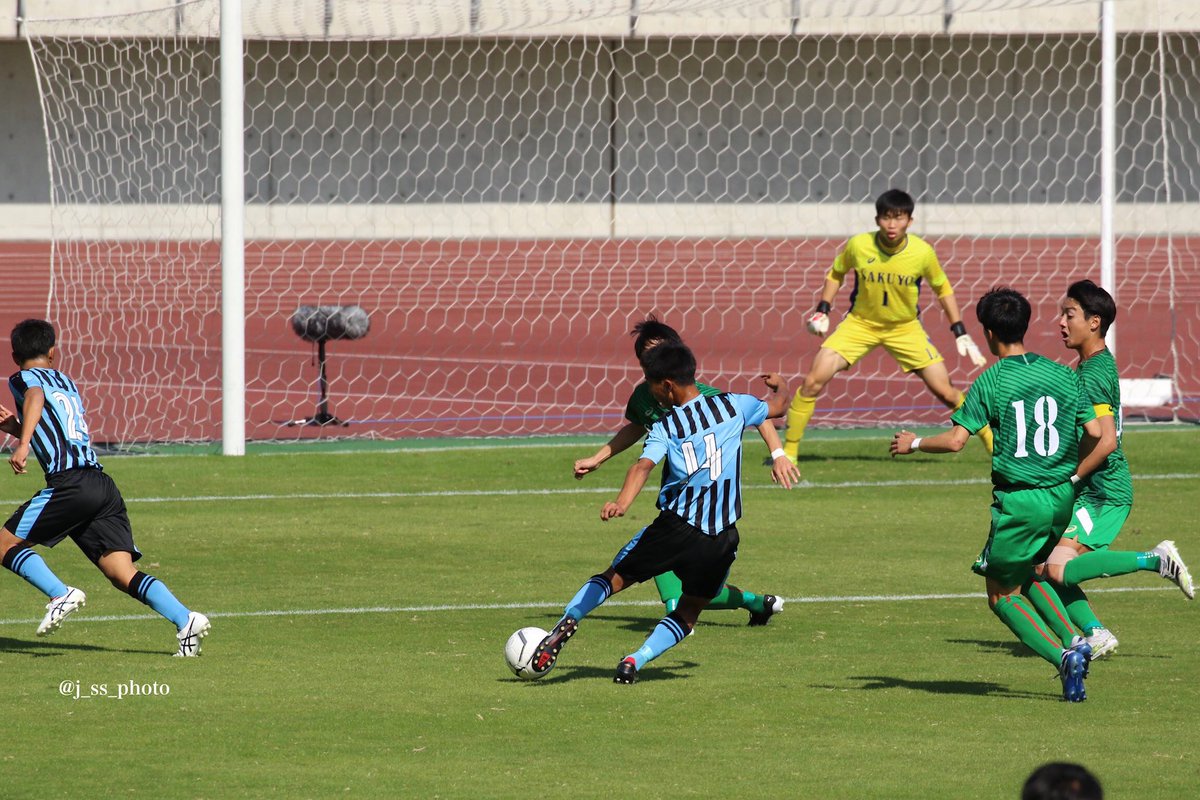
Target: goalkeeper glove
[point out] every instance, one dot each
(818, 323)
(966, 345)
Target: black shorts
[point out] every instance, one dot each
(701, 561)
(81, 503)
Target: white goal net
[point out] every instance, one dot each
(507, 186)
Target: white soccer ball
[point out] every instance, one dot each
(518, 652)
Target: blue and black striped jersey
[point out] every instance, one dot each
(702, 443)
(61, 440)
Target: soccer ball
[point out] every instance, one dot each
(518, 652)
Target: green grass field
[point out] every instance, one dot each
(360, 603)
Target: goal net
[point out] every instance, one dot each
(507, 186)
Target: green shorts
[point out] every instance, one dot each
(1094, 525)
(1026, 524)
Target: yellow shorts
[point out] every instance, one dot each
(907, 342)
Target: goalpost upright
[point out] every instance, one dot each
(233, 238)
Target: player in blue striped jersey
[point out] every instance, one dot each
(700, 501)
(79, 500)
(641, 412)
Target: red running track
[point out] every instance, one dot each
(529, 337)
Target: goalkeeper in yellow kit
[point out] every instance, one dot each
(889, 266)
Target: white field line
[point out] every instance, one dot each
(321, 612)
(573, 491)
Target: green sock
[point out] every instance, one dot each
(670, 589)
(1079, 609)
(1044, 598)
(1015, 612)
(1106, 563)
(731, 597)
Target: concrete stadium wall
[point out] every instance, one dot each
(506, 126)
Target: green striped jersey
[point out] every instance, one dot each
(644, 410)
(1111, 484)
(1035, 408)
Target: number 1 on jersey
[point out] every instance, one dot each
(712, 463)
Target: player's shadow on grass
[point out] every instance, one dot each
(564, 673)
(1011, 648)
(976, 688)
(1021, 651)
(39, 648)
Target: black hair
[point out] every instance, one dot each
(894, 200)
(651, 330)
(1060, 780)
(1005, 312)
(30, 339)
(670, 361)
(1095, 302)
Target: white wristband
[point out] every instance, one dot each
(1074, 479)
(916, 444)
(777, 453)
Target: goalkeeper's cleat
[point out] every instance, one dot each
(1102, 642)
(547, 652)
(189, 636)
(1072, 669)
(772, 605)
(58, 609)
(1171, 567)
(626, 671)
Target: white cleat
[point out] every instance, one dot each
(190, 634)
(1171, 567)
(1102, 642)
(58, 609)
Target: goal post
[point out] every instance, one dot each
(233, 234)
(506, 186)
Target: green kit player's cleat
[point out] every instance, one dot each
(1102, 643)
(1171, 567)
(626, 672)
(772, 605)
(1073, 668)
(547, 652)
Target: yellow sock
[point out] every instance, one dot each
(798, 415)
(984, 433)
(985, 436)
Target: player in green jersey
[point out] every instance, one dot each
(1104, 499)
(1035, 408)
(641, 412)
(890, 267)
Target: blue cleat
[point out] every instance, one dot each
(1072, 669)
(1081, 645)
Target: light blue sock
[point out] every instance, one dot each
(154, 593)
(591, 594)
(666, 634)
(30, 566)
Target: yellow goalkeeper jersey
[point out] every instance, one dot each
(887, 285)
